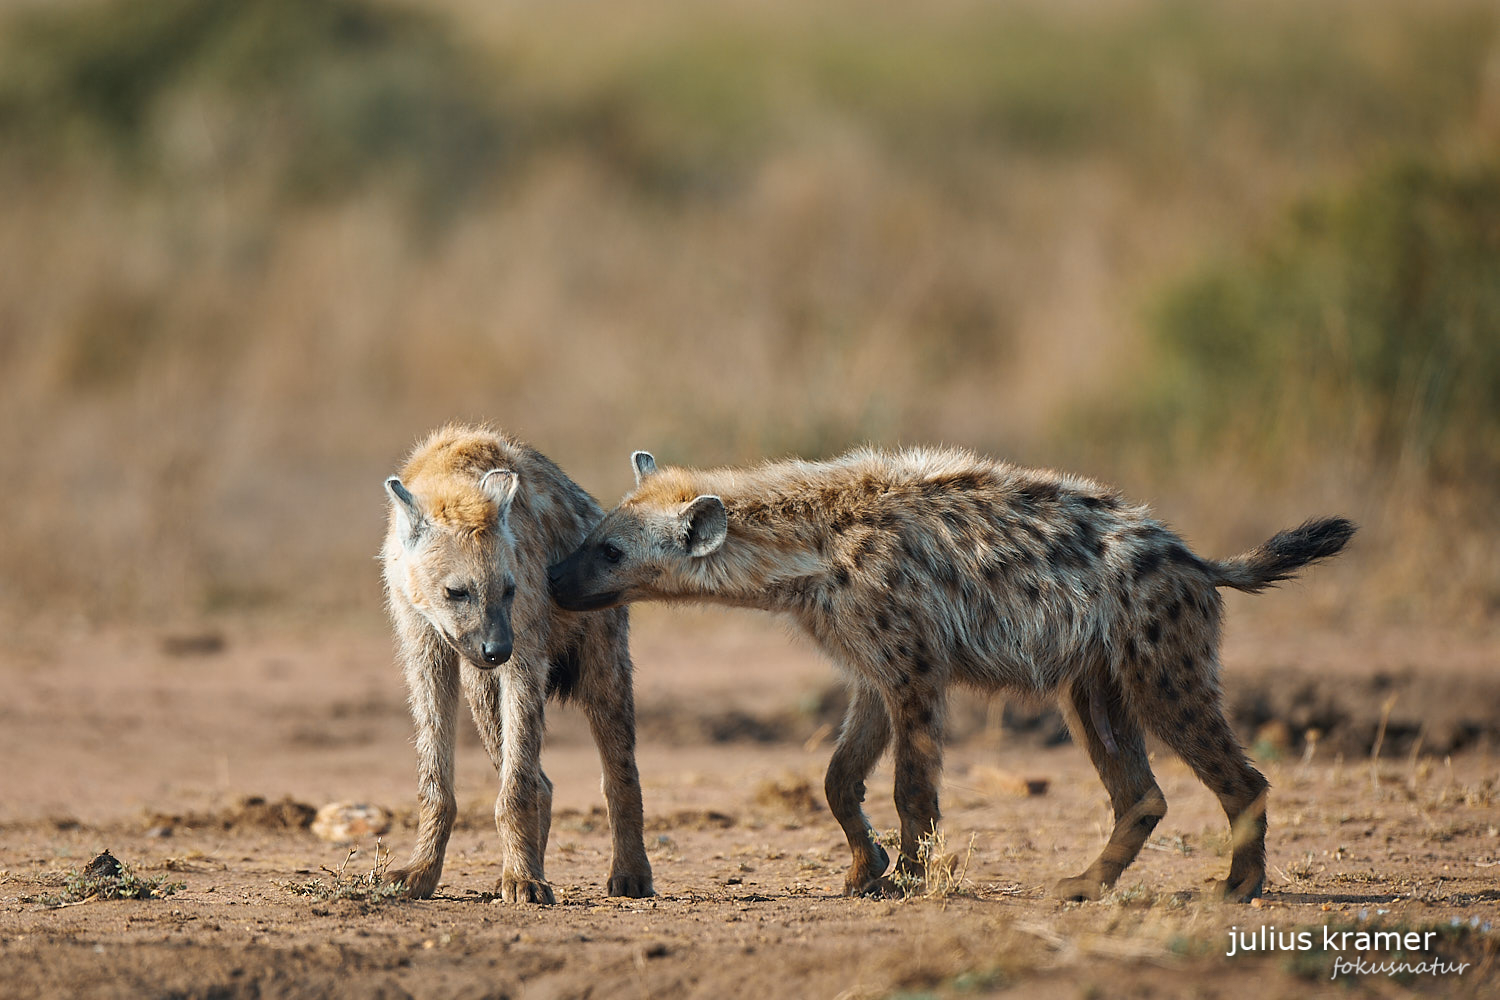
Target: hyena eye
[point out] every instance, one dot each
(457, 593)
(611, 552)
(510, 593)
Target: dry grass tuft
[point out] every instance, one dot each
(943, 874)
(366, 887)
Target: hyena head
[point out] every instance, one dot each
(646, 547)
(451, 555)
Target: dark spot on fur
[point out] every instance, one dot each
(563, 673)
(1145, 563)
(1168, 689)
(1086, 537)
(1062, 555)
(1132, 651)
(1178, 553)
(1037, 492)
(841, 575)
(960, 481)
(1174, 610)
(1153, 632)
(1033, 592)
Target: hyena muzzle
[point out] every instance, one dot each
(920, 568)
(475, 518)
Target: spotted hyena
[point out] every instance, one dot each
(920, 568)
(475, 518)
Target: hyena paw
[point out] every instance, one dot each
(1244, 890)
(866, 876)
(420, 882)
(635, 885)
(517, 889)
(1079, 889)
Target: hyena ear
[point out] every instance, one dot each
(501, 485)
(645, 465)
(705, 523)
(407, 504)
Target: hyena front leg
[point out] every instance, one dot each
(917, 718)
(1126, 772)
(432, 679)
(482, 689)
(523, 812)
(865, 735)
(610, 708)
(484, 694)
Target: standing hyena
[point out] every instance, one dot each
(475, 520)
(923, 567)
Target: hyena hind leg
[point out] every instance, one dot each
(1191, 721)
(865, 735)
(1126, 772)
(917, 723)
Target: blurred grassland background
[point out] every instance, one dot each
(1242, 259)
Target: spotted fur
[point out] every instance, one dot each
(475, 519)
(917, 569)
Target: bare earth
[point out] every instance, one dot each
(149, 745)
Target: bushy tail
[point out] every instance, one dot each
(1283, 554)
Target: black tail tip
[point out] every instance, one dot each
(1318, 538)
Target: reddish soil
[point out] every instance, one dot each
(149, 745)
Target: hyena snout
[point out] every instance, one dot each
(494, 644)
(573, 587)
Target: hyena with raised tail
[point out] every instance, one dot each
(475, 519)
(920, 568)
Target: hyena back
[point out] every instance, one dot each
(916, 569)
(475, 519)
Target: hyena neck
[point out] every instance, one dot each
(766, 564)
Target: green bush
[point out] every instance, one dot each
(1367, 320)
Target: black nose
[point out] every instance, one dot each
(495, 653)
(554, 574)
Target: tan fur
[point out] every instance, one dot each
(921, 568)
(490, 540)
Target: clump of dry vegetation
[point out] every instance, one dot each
(941, 873)
(340, 883)
(106, 877)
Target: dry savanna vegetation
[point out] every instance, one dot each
(1241, 259)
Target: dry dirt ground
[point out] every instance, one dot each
(149, 744)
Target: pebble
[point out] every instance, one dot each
(346, 821)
